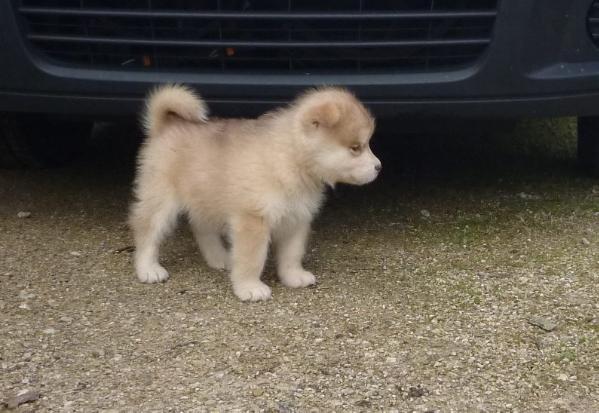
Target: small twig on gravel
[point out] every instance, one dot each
(543, 323)
(128, 248)
(485, 274)
(185, 344)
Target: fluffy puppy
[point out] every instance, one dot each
(252, 180)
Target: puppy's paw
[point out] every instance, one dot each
(252, 291)
(297, 278)
(153, 273)
(218, 261)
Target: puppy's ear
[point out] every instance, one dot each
(326, 115)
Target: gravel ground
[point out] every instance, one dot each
(465, 279)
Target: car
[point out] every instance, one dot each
(66, 63)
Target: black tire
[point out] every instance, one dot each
(28, 141)
(588, 145)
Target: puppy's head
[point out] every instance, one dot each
(338, 128)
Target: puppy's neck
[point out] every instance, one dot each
(307, 171)
(297, 158)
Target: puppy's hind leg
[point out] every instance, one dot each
(210, 243)
(151, 220)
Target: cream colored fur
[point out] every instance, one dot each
(255, 181)
(171, 100)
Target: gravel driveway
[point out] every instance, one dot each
(466, 279)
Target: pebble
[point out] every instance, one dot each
(24, 306)
(284, 408)
(585, 241)
(24, 295)
(75, 253)
(22, 397)
(544, 342)
(49, 331)
(543, 323)
(425, 213)
(391, 360)
(562, 377)
(98, 353)
(524, 195)
(363, 403)
(23, 214)
(416, 392)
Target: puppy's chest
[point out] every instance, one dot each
(299, 206)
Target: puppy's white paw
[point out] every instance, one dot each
(297, 278)
(252, 291)
(153, 273)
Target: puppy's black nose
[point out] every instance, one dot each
(378, 167)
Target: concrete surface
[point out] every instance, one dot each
(463, 280)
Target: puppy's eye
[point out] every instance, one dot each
(355, 149)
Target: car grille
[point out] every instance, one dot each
(279, 36)
(594, 22)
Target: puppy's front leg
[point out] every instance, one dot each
(290, 242)
(250, 236)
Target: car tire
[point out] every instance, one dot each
(28, 141)
(588, 144)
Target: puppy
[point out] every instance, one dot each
(252, 180)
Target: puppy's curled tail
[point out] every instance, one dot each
(168, 100)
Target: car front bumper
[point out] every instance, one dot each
(541, 62)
